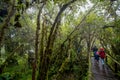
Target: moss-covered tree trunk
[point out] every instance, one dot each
(35, 62)
(4, 26)
(6, 22)
(48, 51)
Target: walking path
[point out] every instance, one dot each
(101, 72)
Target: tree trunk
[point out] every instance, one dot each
(41, 49)
(7, 20)
(34, 64)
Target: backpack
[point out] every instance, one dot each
(97, 53)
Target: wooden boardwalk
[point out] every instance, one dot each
(101, 72)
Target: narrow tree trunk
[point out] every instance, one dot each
(34, 64)
(41, 50)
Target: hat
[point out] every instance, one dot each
(101, 49)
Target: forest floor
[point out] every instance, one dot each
(101, 72)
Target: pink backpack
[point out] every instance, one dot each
(97, 53)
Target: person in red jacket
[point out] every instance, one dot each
(102, 55)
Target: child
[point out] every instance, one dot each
(97, 56)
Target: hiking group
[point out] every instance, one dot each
(99, 53)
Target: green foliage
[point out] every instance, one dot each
(60, 1)
(65, 62)
(17, 72)
(70, 65)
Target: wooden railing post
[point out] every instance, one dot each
(106, 59)
(116, 69)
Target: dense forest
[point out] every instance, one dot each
(52, 39)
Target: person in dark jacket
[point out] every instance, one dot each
(94, 49)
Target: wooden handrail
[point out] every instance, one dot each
(116, 63)
(113, 59)
(89, 68)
